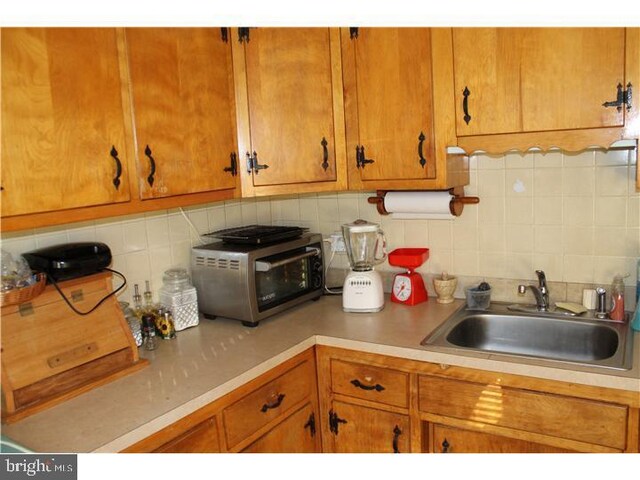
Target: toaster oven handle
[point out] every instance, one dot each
(263, 266)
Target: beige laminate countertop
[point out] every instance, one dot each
(208, 361)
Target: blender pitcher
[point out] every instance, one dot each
(365, 244)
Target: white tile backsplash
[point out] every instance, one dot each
(576, 216)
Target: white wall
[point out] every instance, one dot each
(575, 216)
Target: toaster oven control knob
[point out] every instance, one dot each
(317, 266)
(317, 282)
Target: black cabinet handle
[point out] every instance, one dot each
(377, 387)
(276, 404)
(465, 105)
(233, 165)
(152, 164)
(116, 179)
(311, 424)
(325, 154)
(445, 446)
(396, 436)
(421, 139)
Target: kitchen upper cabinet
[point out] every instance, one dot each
(523, 87)
(63, 128)
(290, 112)
(181, 80)
(399, 105)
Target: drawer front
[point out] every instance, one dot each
(572, 418)
(456, 440)
(370, 383)
(268, 402)
(202, 438)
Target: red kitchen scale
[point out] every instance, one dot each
(408, 287)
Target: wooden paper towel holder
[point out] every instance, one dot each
(455, 206)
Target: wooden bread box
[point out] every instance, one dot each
(51, 354)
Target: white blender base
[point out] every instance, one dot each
(362, 292)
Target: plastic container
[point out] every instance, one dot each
(477, 299)
(617, 300)
(180, 297)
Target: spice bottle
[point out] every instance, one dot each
(617, 299)
(149, 341)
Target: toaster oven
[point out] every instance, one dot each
(252, 282)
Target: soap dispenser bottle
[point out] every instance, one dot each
(617, 299)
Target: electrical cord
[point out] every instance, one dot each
(55, 284)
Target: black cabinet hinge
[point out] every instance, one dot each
(243, 34)
(311, 424)
(253, 165)
(353, 32)
(224, 34)
(623, 98)
(334, 422)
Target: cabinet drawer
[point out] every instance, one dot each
(572, 418)
(370, 383)
(456, 440)
(202, 438)
(266, 403)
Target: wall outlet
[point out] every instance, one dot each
(337, 243)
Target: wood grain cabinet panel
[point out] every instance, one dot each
(589, 421)
(456, 440)
(62, 117)
(398, 109)
(361, 429)
(182, 89)
(299, 433)
(372, 383)
(202, 438)
(267, 403)
(291, 120)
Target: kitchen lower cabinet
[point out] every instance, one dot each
(398, 102)
(363, 429)
(456, 440)
(275, 412)
(63, 124)
(296, 434)
(545, 87)
(290, 111)
(181, 82)
(202, 438)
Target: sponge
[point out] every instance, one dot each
(571, 307)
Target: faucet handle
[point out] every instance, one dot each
(522, 289)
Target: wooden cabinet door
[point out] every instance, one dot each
(456, 440)
(510, 80)
(369, 430)
(299, 433)
(183, 108)
(290, 83)
(63, 133)
(202, 438)
(388, 85)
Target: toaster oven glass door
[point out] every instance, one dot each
(282, 277)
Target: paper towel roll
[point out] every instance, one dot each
(419, 205)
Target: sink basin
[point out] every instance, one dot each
(549, 338)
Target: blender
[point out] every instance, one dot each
(365, 245)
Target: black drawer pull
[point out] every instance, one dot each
(377, 387)
(275, 404)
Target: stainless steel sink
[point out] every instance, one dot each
(549, 338)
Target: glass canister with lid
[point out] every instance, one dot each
(180, 297)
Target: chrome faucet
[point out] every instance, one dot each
(541, 292)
